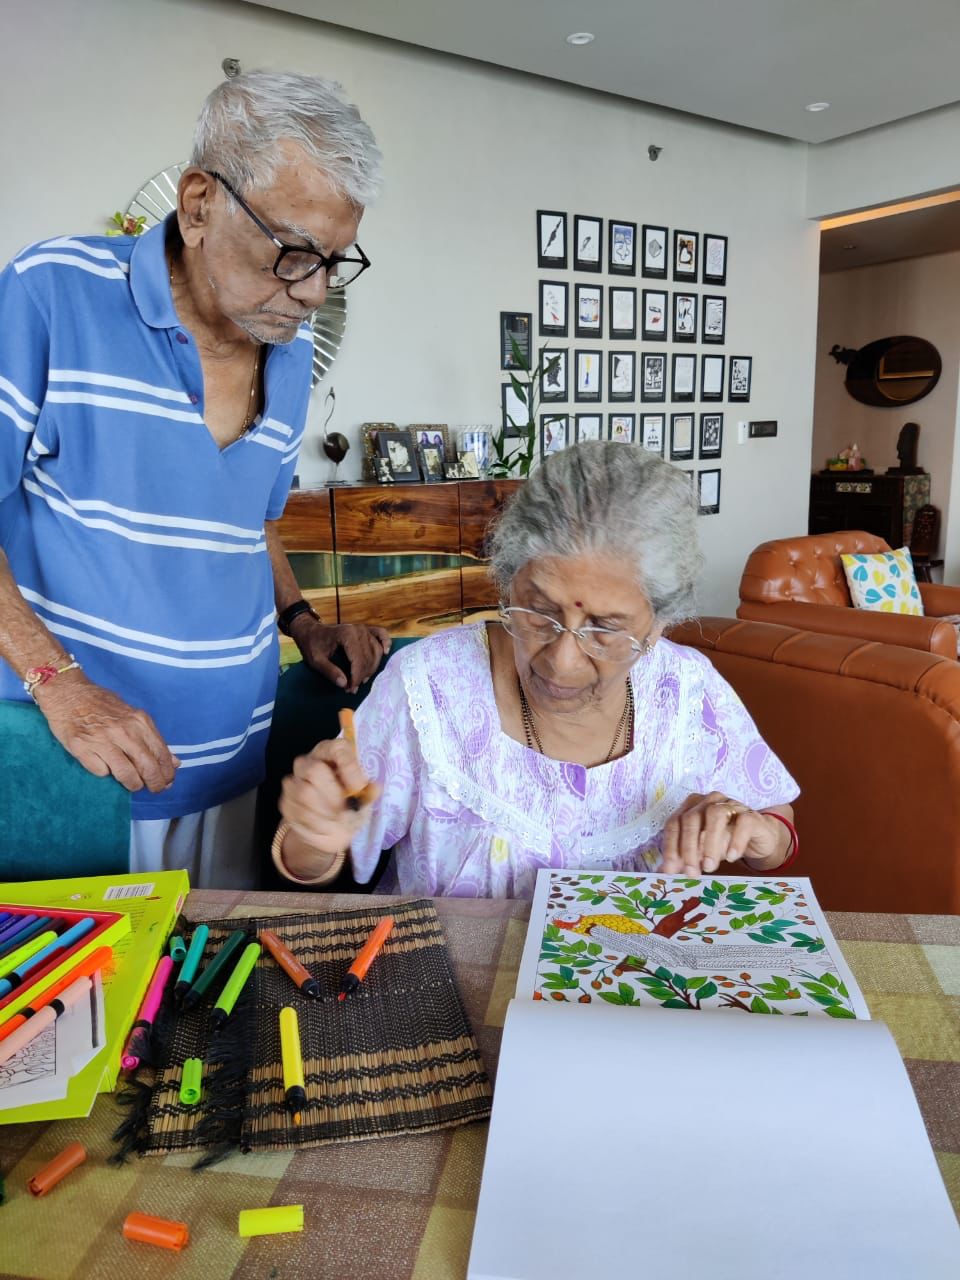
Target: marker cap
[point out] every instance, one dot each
(270, 1222)
(191, 1082)
(177, 948)
(159, 1231)
(58, 1168)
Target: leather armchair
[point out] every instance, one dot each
(871, 732)
(799, 582)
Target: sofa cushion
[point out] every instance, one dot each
(884, 581)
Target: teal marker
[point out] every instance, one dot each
(215, 968)
(177, 948)
(235, 984)
(191, 962)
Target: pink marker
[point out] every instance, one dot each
(139, 1038)
(30, 1029)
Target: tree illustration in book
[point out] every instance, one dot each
(760, 945)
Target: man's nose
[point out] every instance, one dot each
(311, 292)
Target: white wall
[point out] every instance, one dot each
(104, 94)
(917, 296)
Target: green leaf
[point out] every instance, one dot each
(664, 974)
(830, 980)
(664, 909)
(758, 1005)
(680, 982)
(626, 991)
(675, 1003)
(737, 923)
(594, 948)
(716, 887)
(694, 984)
(708, 990)
(839, 1012)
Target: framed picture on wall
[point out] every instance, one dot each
(741, 375)
(685, 245)
(622, 427)
(622, 239)
(681, 436)
(684, 377)
(714, 318)
(553, 308)
(711, 377)
(553, 376)
(551, 239)
(587, 243)
(711, 435)
(513, 411)
(516, 327)
(623, 375)
(655, 315)
(623, 312)
(401, 452)
(655, 252)
(589, 426)
(652, 426)
(684, 317)
(589, 313)
(708, 492)
(653, 376)
(589, 375)
(714, 259)
(553, 433)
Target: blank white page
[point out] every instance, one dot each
(730, 1146)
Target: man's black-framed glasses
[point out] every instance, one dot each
(295, 263)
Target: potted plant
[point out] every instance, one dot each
(526, 385)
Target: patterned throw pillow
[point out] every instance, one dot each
(884, 582)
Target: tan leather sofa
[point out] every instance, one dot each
(871, 732)
(800, 582)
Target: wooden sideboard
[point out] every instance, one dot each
(409, 557)
(883, 505)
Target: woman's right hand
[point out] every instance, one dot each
(320, 800)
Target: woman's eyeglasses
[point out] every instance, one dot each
(596, 642)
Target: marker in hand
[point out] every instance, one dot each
(365, 958)
(367, 793)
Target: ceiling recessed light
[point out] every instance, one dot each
(816, 106)
(580, 37)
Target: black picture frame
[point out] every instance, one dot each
(554, 308)
(713, 319)
(553, 380)
(653, 432)
(431, 463)
(686, 252)
(588, 376)
(653, 377)
(711, 435)
(511, 406)
(740, 378)
(654, 251)
(622, 376)
(622, 427)
(519, 326)
(581, 425)
(683, 428)
(393, 445)
(584, 295)
(714, 259)
(622, 307)
(708, 491)
(382, 470)
(587, 240)
(622, 247)
(549, 421)
(684, 312)
(551, 239)
(683, 377)
(712, 372)
(656, 305)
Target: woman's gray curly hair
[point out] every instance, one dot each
(244, 119)
(601, 496)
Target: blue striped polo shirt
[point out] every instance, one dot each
(137, 541)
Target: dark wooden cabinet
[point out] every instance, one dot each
(882, 505)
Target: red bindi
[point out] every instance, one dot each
(578, 603)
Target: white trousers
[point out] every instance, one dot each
(215, 846)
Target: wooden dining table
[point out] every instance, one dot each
(402, 1208)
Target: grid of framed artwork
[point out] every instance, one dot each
(663, 296)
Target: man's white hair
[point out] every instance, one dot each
(244, 119)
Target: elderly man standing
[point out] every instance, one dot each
(153, 396)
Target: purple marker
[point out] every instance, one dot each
(11, 939)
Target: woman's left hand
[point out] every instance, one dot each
(712, 829)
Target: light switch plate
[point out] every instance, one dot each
(763, 430)
(741, 433)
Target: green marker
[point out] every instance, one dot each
(235, 984)
(215, 968)
(191, 962)
(191, 1082)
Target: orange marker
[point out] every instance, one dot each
(367, 793)
(289, 963)
(87, 967)
(368, 952)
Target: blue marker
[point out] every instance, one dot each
(191, 962)
(10, 940)
(63, 943)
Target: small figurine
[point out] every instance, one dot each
(907, 452)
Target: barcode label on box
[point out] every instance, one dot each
(128, 891)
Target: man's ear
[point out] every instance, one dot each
(196, 193)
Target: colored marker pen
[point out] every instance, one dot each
(191, 962)
(295, 1092)
(289, 963)
(235, 983)
(365, 957)
(216, 966)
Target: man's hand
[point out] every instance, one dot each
(365, 648)
(105, 734)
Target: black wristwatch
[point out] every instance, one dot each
(287, 615)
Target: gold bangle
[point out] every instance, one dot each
(276, 852)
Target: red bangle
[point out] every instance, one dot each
(795, 846)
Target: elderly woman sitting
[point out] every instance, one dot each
(568, 734)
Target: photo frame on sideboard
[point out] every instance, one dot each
(399, 449)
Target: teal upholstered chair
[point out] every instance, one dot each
(56, 819)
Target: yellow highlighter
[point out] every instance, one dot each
(10, 961)
(294, 1090)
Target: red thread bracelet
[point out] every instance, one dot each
(795, 847)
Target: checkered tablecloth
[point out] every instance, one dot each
(402, 1208)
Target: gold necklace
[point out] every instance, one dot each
(626, 721)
